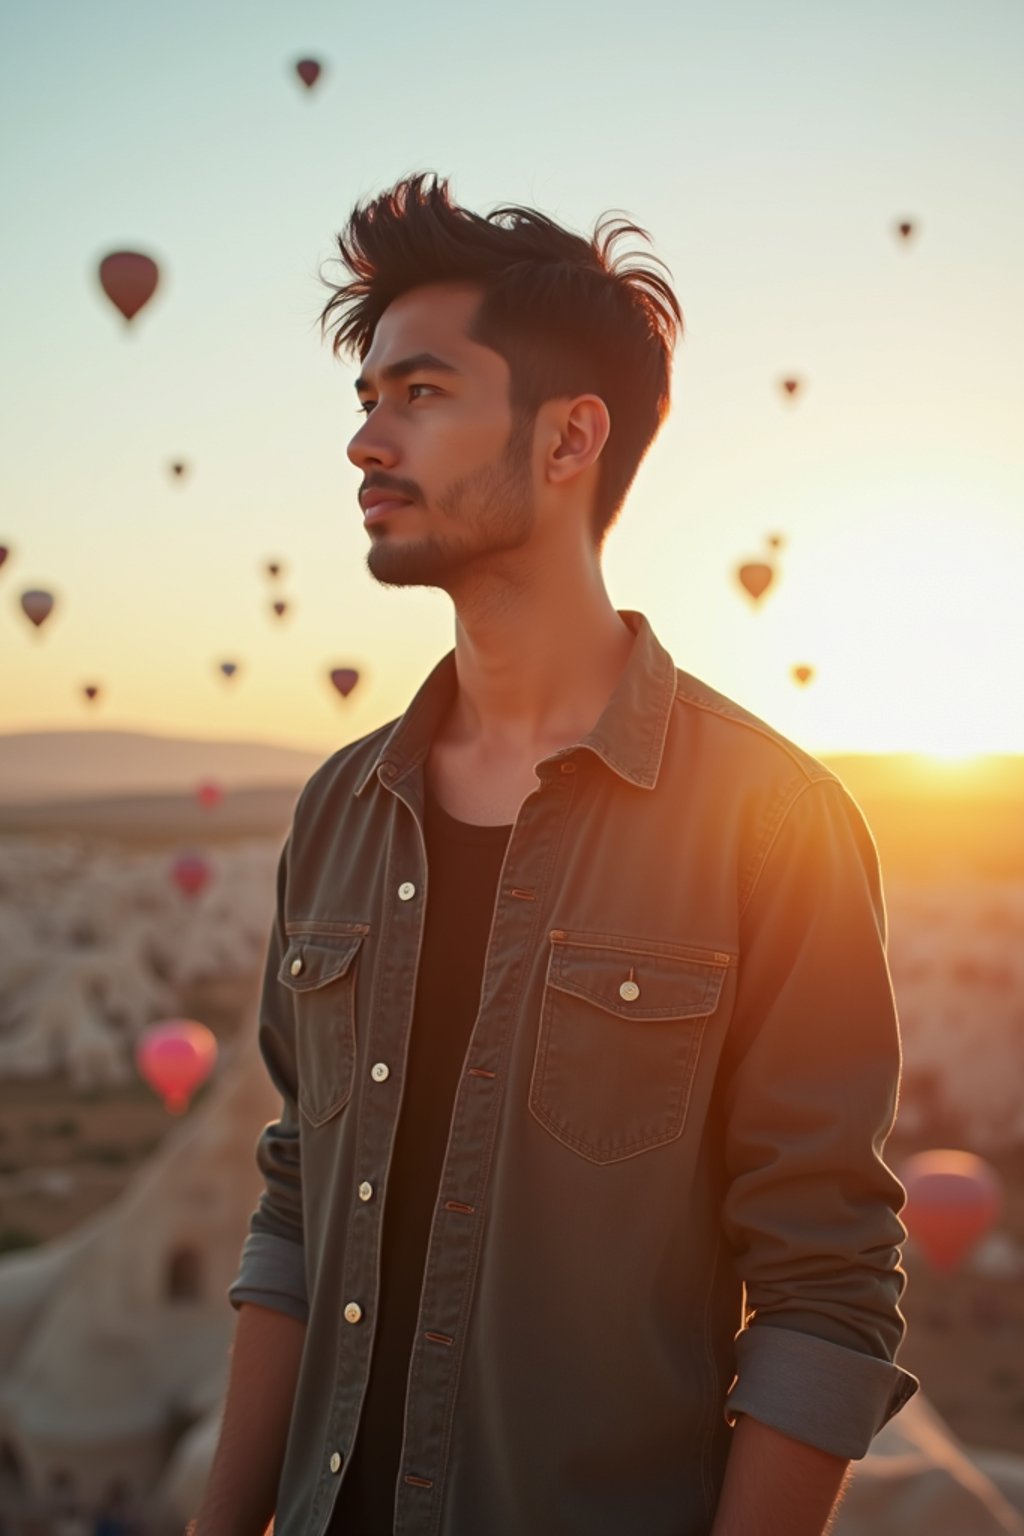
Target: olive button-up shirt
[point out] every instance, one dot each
(663, 1200)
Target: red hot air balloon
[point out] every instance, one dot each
(803, 674)
(209, 794)
(308, 71)
(790, 388)
(175, 1057)
(756, 577)
(229, 668)
(129, 280)
(953, 1198)
(280, 608)
(37, 605)
(190, 873)
(4, 552)
(344, 679)
(91, 691)
(905, 229)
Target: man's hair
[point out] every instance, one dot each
(568, 320)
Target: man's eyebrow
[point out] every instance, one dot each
(422, 362)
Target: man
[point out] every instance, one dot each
(576, 1221)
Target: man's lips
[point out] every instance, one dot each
(380, 509)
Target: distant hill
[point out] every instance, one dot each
(80, 765)
(931, 820)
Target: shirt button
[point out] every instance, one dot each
(353, 1312)
(629, 991)
(406, 891)
(335, 1463)
(296, 966)
(380, 1072)
(365, 1190)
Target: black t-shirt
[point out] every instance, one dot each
(463, 865)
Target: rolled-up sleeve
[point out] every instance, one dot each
(272, 1270)
(811, 1075)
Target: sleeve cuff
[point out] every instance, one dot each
(272, 1273)
(822, 1393)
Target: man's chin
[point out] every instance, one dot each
(410, 565)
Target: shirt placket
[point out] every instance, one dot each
(453, 1249)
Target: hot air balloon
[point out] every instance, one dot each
(209, 794)
(273, 568)
(129, 280)
(37, 605)
(280, 608)
(308, 71)
(178, 468)
(175, 1057)
(953, 1198)
(774, 540)
(91, 691)
(229, 668)
(905, 229)
(4, 552)
(756, 577)
(790, 388)
(803, 674)
(190, 873)
(344, 679)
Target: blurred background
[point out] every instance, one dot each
(829, 529)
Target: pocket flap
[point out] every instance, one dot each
(635, 983)
(313, 961)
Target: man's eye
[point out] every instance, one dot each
(365, 407)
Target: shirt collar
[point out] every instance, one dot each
(629, 735)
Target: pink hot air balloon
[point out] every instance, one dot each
(755, 578)
(175, 1057)
(344, 679)
(37, 605)
(129, 280)
(953, 1198)
(190, 873)
(308, 71)
(209, 794)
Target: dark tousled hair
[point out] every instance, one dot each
(567, 319)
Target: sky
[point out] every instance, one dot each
(768, 151)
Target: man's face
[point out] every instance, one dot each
(443, 439)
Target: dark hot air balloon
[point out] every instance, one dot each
(774, 540)
(190, 873)
(91, 691)
(953, 1198)
(129, 280)
(755, 577)
(790, 388)
(273, 567)
(280, 608)
(344, 679)
(4, 552)
(308, 71)
(175, 1057)
(178, 468)
(803, 673)
(229, 668)
(37, 605)
(905, 229)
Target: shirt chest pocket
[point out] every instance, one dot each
(320, 972)
(619, 1041)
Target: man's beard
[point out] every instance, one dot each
(501, 518)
